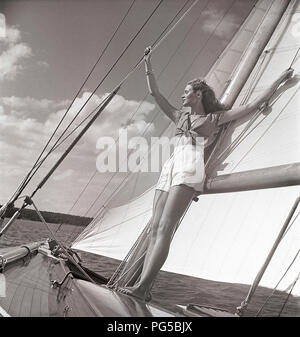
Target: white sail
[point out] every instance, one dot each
(226, 237)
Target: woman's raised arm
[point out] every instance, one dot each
(238, 112)
(161, 101)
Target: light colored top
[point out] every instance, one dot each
(205, 126)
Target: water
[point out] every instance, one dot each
(169, 289)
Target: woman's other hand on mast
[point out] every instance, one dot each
(286, 75)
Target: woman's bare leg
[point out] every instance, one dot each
(159, 202)
(136, 262)
(177, 201)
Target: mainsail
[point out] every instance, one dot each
(226, 237)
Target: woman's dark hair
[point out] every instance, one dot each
(209, 100)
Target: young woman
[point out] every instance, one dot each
(183, 174)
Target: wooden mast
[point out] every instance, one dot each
(270, 177)
(254, 50)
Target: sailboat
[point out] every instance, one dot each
(246, 219)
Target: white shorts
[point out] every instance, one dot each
(184, 167)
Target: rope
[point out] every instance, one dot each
(122, 264)
(291, 225)
(134, 247)
(255, 78)
(161, 39)
(61, 246)
(294, 59)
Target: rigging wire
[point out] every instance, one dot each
(275, 288)
(23, 183)
(289, 294)
(111, 68)
(291, 224)
(294, 59)
(70, 257)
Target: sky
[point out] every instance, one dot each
(46, 53)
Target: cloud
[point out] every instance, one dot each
(43, 64)
(14, 52)
(28, 107)
(119, 114)
(13, 35)
(63, 175)
(26, 124)
(212, 18)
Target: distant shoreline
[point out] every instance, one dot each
(51, 217)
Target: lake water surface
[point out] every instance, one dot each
(169, 288)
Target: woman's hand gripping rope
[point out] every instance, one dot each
(147, 55)
(284, 77)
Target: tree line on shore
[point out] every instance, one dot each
(50, 217)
